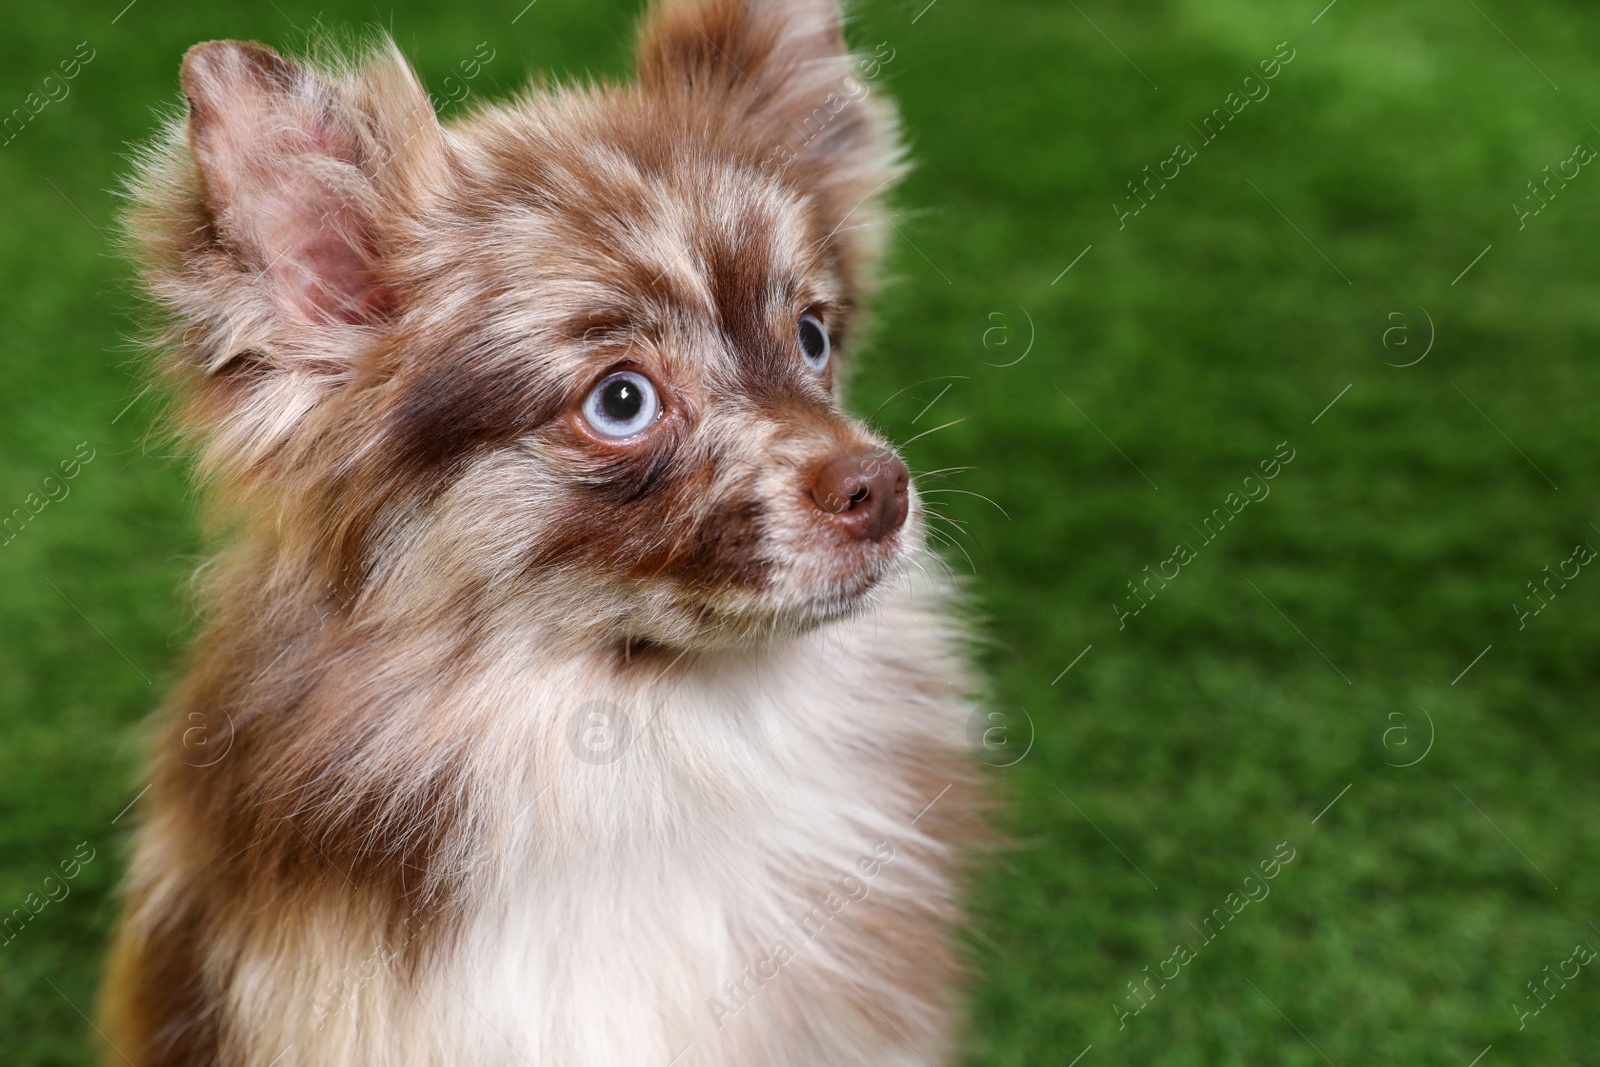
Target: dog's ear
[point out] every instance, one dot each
(268, 223)
(780, 68)
(288, 179)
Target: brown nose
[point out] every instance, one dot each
(864, 494)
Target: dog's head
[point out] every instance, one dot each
(577, 355)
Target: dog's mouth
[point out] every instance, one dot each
(793, 547)
(822, 578)
(718, 622)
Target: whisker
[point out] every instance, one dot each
(820, 245)
(942, 517)
(937, 561)
(962, 419)
(942, 472)
(821, 242)
(957, 546)
(913, 385)
(967, 492)
(953, 543)
(958, 530)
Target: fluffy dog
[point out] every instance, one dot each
(574, 688)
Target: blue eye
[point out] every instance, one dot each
(622, 405)
(814, 344)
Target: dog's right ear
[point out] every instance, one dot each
(267, 224)
(289, 180)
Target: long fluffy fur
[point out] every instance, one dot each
(401, 845)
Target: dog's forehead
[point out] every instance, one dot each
(685, 213)
(604, 235)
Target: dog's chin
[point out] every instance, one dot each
(786, 609)
(844, 599)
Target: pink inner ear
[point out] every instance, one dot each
(321, 265)
(282, 172)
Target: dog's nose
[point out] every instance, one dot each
(864, 494)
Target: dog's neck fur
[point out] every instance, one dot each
(658, 876)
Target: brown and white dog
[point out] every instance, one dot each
(575, 688)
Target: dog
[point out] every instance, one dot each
(574, 684)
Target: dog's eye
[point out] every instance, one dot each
(814, 342)
(622, 405)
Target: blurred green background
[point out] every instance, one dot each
(1301, 658)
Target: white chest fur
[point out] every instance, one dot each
(720, 879)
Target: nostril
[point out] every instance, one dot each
(865, 495)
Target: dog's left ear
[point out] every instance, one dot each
(780, 69)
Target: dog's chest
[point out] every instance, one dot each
(713, 872)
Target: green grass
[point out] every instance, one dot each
(1248, 694)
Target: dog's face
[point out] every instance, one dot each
(576, 357)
